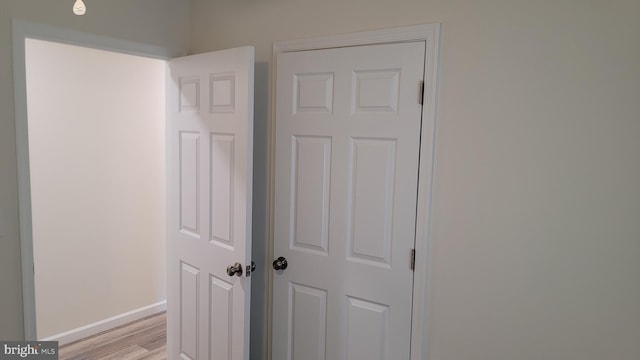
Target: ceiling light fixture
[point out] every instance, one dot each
(79, 8)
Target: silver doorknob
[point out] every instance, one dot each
(280, 263)
(235, 269)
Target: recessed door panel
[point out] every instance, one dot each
(222, 182)
(308, 322)
(311, 176)
(189, 99)
(221, 318)
(371, 195)
(367, 330)
(313, 92)
(190, 183)
(222, 93)
(376, 90)
(189, 293)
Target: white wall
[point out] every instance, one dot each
(536, 233)
(159, 22)
(97, 159)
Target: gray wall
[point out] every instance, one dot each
(159, 22)
(536, 208)
(535, 237)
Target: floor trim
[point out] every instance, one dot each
(107, 324)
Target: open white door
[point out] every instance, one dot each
(210, 150)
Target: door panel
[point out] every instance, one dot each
(189, 304)
(310, 194)
(308, 321)
(222, 181)
(370, 192)
(367, 329)
(210, 140)
(189, 187)
(347, 147)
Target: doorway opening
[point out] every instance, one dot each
(23, 31)
(96, 132)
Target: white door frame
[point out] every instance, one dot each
(22, 30)
(430, 34)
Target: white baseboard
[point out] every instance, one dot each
(106, 324)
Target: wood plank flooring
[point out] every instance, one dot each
(145, 339)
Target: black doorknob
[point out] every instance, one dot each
(280, 263)
(235, 269)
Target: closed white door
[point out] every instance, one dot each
(210, 142)
(347, 148)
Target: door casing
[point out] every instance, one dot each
(430, 34)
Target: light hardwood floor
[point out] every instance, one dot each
(145, 339)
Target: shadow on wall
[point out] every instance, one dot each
(259, 234)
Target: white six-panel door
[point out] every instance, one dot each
(347, 151)
(210, 142)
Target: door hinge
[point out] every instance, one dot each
(421, 93)
(412, 260)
